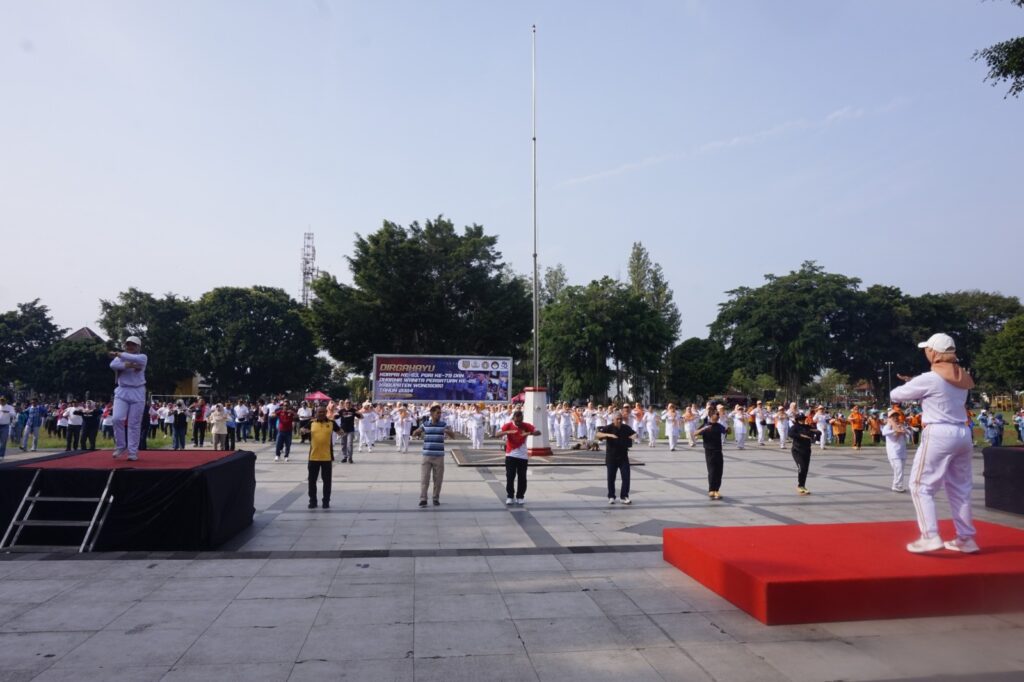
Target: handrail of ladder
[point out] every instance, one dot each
(17, 514)
(92, 523)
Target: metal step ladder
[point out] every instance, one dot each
(28, 504)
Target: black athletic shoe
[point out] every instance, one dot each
(423, 503)
(312, 505)
(437, 502)
(327, 504)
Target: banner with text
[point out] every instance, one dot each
(441, 378)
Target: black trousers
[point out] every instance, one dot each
(618, 467)
(323, 470)
(73, 434)
(230, 444)
(716, 462)
(88, 441)
(858, 437)
(198, 433)
(515, 468)
(803, 463)
(876, 438)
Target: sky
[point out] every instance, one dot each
(177, 146)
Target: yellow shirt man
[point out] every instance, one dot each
(320, 456)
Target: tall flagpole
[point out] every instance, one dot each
(536, 285)
(536, 399)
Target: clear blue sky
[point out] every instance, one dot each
(178, 146)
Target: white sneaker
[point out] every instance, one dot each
(611, 500)
(925, 545)
(509, 501)
(277, 459)
(118, 453)
(625, 500)
(965, 545)
(520, 501)
(133, 458)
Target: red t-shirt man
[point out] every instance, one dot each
(285, 420)
(516, 458)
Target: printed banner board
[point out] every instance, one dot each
(441, 378)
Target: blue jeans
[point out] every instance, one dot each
(284, 439)
(30, 431)
(5, 432)
(178, 437)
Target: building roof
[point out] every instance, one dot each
(83, 334)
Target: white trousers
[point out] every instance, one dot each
(652, 435)
(690, 428)
(128, 406)
(476, 433)
(761, 430)
(741, 438)
(673, 438)
(783, 428)
(943, 460)
(403, 442)
(897, 470)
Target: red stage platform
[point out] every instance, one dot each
(852, 571)
(148, 459)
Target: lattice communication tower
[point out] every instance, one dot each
(309, 270)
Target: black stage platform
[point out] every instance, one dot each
(166, 501)
(1004, 478)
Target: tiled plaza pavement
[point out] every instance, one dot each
(564, 589)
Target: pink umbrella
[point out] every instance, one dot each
(318, 395)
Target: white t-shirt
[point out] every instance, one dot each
(941, 401)
(7, 415)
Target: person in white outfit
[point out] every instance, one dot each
(759, 422)
(475, 421)
(944, 457)
(690, 420)
(403, 429)
(896, 436)
(739, 426)
(651, 422)
(782, 426)
(129, 397)
(673, 420)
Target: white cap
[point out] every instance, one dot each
(134, 339)
(943, 343)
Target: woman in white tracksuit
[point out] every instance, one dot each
(782, 425)
(944, 457)
(739, 426)
(896, 437)
(672, 421)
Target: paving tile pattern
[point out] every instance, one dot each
(565, 588)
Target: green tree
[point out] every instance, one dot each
(78, 368)
(1005, 61)
(788, 327)
(426, 290)
(977, 316)
(697, 369)
(250, 341)
(553, 283)
(647, 281)
(1001, 360)
(881, 326)
(161, 323)
(26, 334)
(576, 340)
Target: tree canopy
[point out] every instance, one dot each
(1005, 61)
(1001, 360)
(251, 340)
(26, 335)
(698, 368)
(161, 324)
(422, 289)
